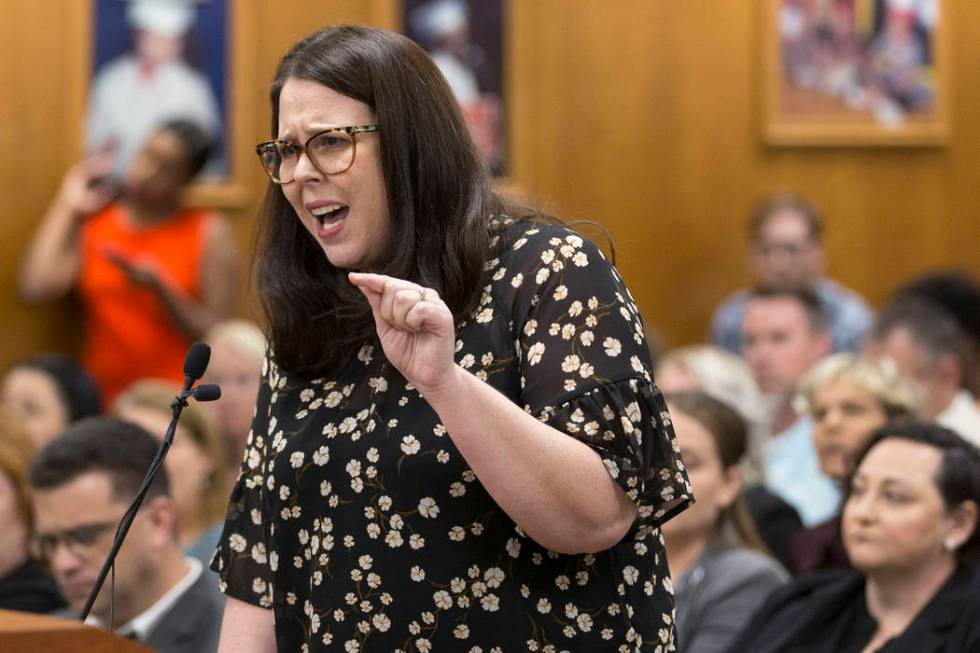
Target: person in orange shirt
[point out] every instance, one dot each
(152, 276)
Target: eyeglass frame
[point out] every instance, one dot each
(43, 547)
(351, 131)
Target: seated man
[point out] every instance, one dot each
(787, 251)
(82, 483)
(784, 335)
(927, 344)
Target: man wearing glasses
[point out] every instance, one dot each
(83, 482)
(787, 252)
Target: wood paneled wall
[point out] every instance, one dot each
(641, 114)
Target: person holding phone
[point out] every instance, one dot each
(152, 275)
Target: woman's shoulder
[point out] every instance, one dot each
(746, 563)
(530, 237)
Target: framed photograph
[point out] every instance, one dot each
(855, 72)
(154, 61)
(465, 39)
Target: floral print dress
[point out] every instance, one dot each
(360, 525)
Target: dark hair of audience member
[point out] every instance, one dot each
(197, 145)
(958, 477)
(955, 291)
(806, 297)
(789, 202)
(76, 388)
(730, 434)
(16, 451)
(106, 445)
(930, 325)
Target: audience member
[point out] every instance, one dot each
(83, 481)
(714, 552)
(927, 345)
(237, 353)
(24, 585)
(48, 392)
(786, 235)
(724, 376)
(959, 294)
(848, 397)
(784, 335)
(152, 276)
(910, 529)
(195, 463)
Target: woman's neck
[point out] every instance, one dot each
(144, 214)
(683, 552)
(896, 596)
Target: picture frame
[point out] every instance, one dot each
(855, 72)
(207, 83)
(466, 40)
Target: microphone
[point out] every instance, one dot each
(195, 363)
(207, 392)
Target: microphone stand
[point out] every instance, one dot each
(176, 407)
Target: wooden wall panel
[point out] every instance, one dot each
(641, 114)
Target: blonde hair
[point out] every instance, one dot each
(727, 378)
(156, 395)
(245, 336)
(16, 452)
(898, 395)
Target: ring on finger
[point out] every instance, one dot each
(421, 294)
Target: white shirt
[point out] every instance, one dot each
(143, 624)
(127, 105)
(962, 416)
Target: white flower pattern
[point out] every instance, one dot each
(387, 539)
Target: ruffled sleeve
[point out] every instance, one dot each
(585, 367)
(243, 559)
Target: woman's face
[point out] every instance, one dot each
(844, 415)
(714, 487)
(895, 519)
(238, 373)
(188, 466)
(356, 235)
(33, 396)
(159, 171)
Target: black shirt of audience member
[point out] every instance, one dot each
(910, 527)
(777, 521)
(29, 589)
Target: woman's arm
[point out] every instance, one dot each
(218, 281)
(554, 487)
(246, 627)
(50, 266)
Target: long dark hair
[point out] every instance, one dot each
(438, 193)
(730, 433)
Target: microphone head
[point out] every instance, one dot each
(207, 392)
(197, 360)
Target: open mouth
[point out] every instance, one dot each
(330, 216)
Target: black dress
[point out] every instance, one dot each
(30, 589)
(359, 523)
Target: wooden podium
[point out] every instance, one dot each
(24, 632)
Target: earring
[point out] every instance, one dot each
(949, 545)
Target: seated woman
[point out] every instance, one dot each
(848, 397)
(24, 585)
(152, 275)
(48, 392)
(910, 530)
(237, 352)
(724, 376)
(195, 464)
(713, 550)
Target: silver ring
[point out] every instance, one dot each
(421, 294)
